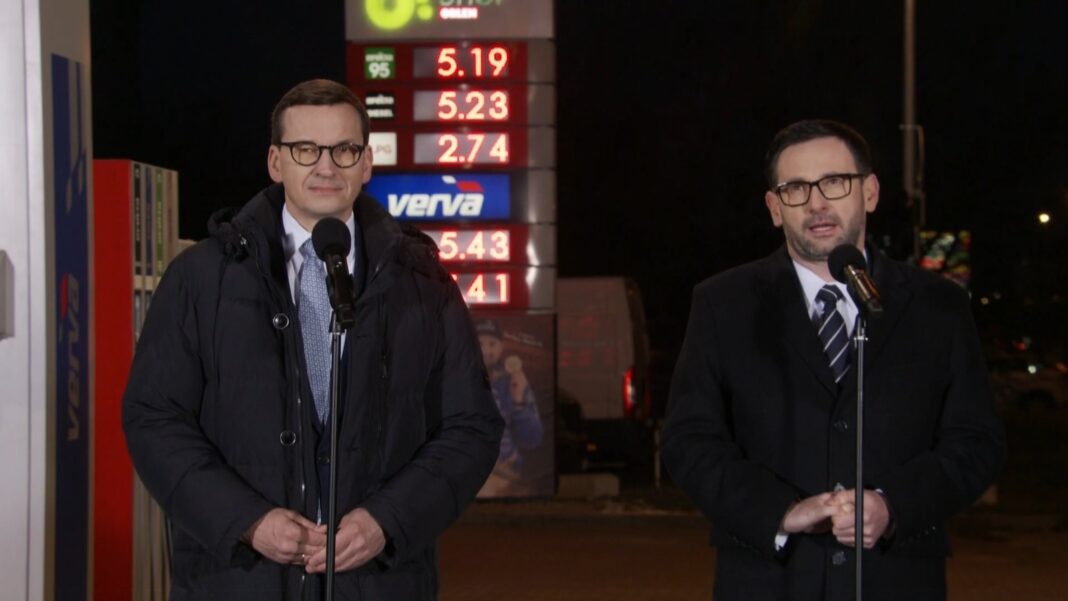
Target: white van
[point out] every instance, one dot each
(602, 358)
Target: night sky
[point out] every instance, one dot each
(664, 112)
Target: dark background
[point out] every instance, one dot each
(664, 112)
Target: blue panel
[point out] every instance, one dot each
(436, 197)
(70, 186)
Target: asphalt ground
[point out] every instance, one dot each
(589, 551)
(651, 544)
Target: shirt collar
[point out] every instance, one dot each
(811, 284)
(296, 235)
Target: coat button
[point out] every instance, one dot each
(324, 459)
(288, 438)
(841, 425)
(280, 321)
(838, 558)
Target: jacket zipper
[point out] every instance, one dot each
(272, 289)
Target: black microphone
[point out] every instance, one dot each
(847, 265)
(332, 242)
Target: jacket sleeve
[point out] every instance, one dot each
(432, 490)
(968, 446)
(160, 411)
(744, 499)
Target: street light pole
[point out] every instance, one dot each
(912, 136)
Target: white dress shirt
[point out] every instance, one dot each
(295, 235)
(811, 284)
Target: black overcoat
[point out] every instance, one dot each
(220, 426)
(756, 422)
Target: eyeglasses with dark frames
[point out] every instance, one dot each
(833, 187)
(344, 155)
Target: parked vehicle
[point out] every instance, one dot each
(603, 370)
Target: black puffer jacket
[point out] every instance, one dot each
(220, 426)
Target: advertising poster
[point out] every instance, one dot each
(518, 351)
(73, 289)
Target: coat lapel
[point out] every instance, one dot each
(798, 331)
(891, 285)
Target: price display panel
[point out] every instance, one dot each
(529, 287)
(478, 245)
(461, 104)
(464, 61)
(467, 104)
(517, 244)
(487, 149)
(486, 287)
(466, 147)
(446, 61)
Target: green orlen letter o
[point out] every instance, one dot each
(389, 14)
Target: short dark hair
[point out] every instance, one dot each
(317, 92)
(803, 131)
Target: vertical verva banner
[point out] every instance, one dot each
(519, 352)
(72, 288)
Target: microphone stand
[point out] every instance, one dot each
(860, 336)
(335, 392)
(338, 285)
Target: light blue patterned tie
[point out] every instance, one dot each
(313, 307)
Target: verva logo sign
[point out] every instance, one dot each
(443, 197)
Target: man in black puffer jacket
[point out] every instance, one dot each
(220, 416)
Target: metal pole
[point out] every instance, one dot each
(860, 337)
(908, 127)
(335, 392)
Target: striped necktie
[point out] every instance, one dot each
(832, 331)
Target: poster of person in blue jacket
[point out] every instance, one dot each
(518, 358)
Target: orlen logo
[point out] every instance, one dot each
(465, 202)
(391, 15)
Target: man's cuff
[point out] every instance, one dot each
(891, 527)
(781, 537)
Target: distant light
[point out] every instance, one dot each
(1032, 368)
(984, 301)
(1043, 218)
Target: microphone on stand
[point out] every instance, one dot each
(847, 265)
(332, 242)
